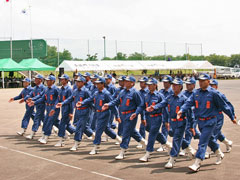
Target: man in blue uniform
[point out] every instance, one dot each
(99, 98)
(190, 87)
(217, 132)
(66, 110)
(130, 106)
(50, 99)
(167, 90)
(207, 102)
(37, 93)
(27, 89)
(121, 80)
(81, 113)
(112, 89)
(93, 89)
(143, 91)
(154, 119)
(174, 102)
(88, 83)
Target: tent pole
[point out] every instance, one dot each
(29, 75)
(3, 79)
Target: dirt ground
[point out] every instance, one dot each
(24, 159)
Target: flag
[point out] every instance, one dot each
(7, 0)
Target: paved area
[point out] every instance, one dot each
(22, 159)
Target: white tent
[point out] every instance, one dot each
(203, 65)
(133, 65)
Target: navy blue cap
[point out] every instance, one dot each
(51, 78)
(64, 76)
(122, 78)
(86, 74)
(39, 76)
(190, 80)
(204, 76)
(143, 79)
(152, 81)
(213, 82)
(130, 78)
(100, 80)
(167, 78)
(26, 80)
(108, 76)
(81, 78)
(177, 81)
(94, 76)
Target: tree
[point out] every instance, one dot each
(92, 57)
(120, 56)
(52, 56)
(219, 60)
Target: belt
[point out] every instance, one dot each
(49, 104)
(220, 112)
(180, 119)
(99, 110)
(127, 112)
(81, 108)
(155, 115)
(207, 118)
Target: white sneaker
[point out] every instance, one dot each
(29, 137)
(121, 155)
(228, 144)
(75, 146)
(139, 146)
(143, 142)
(104, 139)
(44, 140)
(170, 163)
(60, 143)
(119, 139)
(161, 149)
(41, 138)
(145, 157)
(191, 152)
(182, 152)
(22, 132)
(220, 156)
(94, 150)
(196, 166)
(207, 155)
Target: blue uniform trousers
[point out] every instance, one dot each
(129, 131)
(82, 116)
(39, 116)
(103, 125)
(29, 113)
(153, 126)
(207, 138)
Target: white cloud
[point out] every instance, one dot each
(213, 23)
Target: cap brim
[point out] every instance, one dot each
(98, 82)
(149, 83)
(188, 82)
(165, 80)
(203, 79)
(142, 80)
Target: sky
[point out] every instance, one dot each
(212, 23)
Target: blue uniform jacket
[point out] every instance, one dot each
(129, 100)
(173, 104)
(99, 98)
(79, 95)
(50, 98)
(207, 104)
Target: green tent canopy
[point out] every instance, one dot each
(36, 65)
(10, 65)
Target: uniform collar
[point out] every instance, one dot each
(208, 89)
(130, 90)
(155, 92)
(145, 90)
(179, 95)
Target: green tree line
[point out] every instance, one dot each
(220, 60)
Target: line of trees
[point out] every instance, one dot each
(220, 60)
